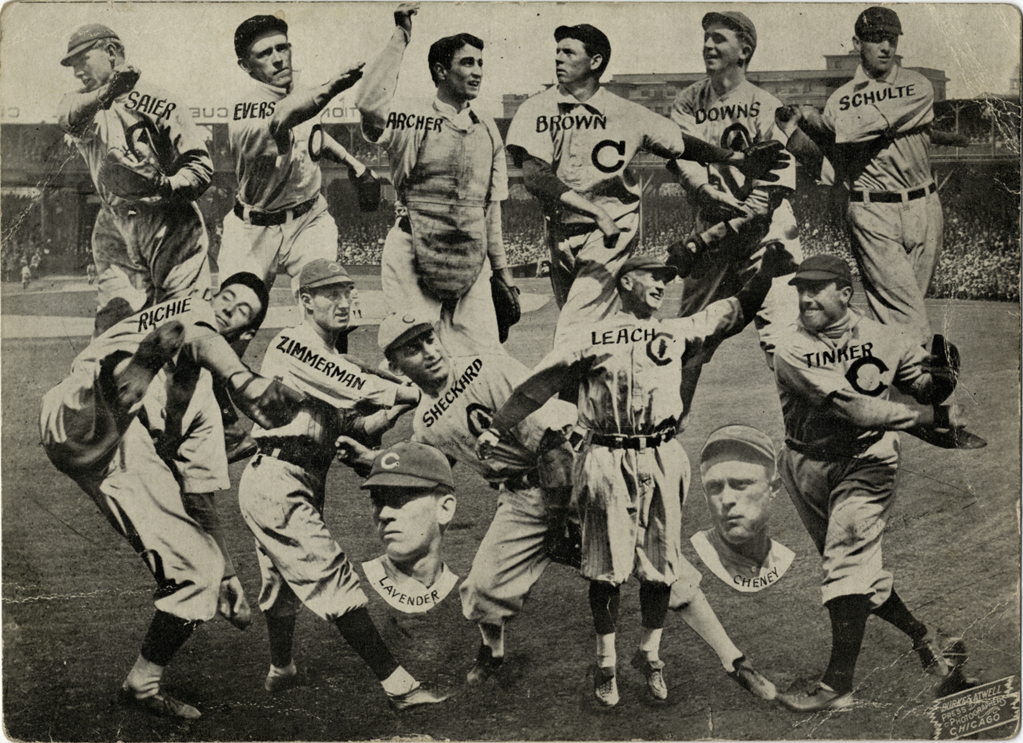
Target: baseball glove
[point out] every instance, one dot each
(683, 255)
(367, 189)
(763, 157)
(130, 178)
(506, 305)
(563, 541)
(267, 402)
(122, 80)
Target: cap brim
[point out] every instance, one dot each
(414, 332)
(66, 62)
(815, 276)
(715, 448)
(328, 282)
(396, 480)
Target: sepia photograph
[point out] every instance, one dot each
(510, 371)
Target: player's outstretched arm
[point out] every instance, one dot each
(336, 152)
(381, 79)
(304, 105)
(77, 110)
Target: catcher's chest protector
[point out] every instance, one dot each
(445, 196)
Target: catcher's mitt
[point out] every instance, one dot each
(367, 189)
(122, 80)
(563, 542)
(763, 157)
(506, 305)
(130, 178)
(683, 255)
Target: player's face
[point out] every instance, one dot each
(234, 307)
(93, 67)
(722, 48)
(572, 63)
(328, 305)
(424, 361)
(738, 491)
(462, 80)
(644, 290)
(408, 521)
(269, 60)
(877, 53)
(822, 303)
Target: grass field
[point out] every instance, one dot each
(76, 600)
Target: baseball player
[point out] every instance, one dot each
(531, 470)
(835, 369)
(282, 491)
(448, 168)
(574, 143)
(728, 110)
(26, 276)
(740, 481)
(150, 454)
(149, 164)
(630, 474)
(280, 221)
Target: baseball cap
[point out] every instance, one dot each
(878, 21)
(649, 263)
(254, 27)
(736, 20)
(84, 37)
(732, 437)
(596, 41)
(398, 329)
(410, 465)
(822, 268)
(322, 272)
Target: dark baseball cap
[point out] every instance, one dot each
(397, 329)
(410, 465)
(322, 272)
(85, 37)
(738, 438)
(734, 20)
(648, 263)
(878, 21)
(823, 267)
(596, 41)
(254, 27)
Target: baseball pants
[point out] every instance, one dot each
(781, 306)
(630, 506)
(897, 247)
(471, 324)
(265, 251)
(299, 561)
(510, 559)
(844, 506)
(149, 253)
(583, 272)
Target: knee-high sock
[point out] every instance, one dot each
(848, 622)
(897, 613)
(359, 631)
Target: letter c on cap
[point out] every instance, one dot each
(389, 461)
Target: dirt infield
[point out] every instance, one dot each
(76, 600)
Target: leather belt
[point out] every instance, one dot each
(521, 481)
(892, 197)
(297, 451)
(621, 441)
(269, 219)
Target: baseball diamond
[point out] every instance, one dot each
(493, 410)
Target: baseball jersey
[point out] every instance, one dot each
(452, 420)
(591, 145)
(895, 110)
(861, 358)
(300, 359)
(151, 125)
(629, 368)
(268, 179)
(737, 571)
(735, 120)
(406, 594)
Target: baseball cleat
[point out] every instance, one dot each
(155, 350)
(653, 671)
(605, 687)
(823, 697)
(752, 680)
(416, 697)
(948, 438)
(955, 652)
(276, 682)
(486, 665)
(239, 447)
(160, 704)
(930, 654)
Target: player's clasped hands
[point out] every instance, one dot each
(486, 443)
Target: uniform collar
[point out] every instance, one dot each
(597, 103)
(275, 89)
(862, 79)
(464, 117)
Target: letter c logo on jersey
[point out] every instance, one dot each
(618, 147)
(657, 348)
(389, 461)
(865, 376)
